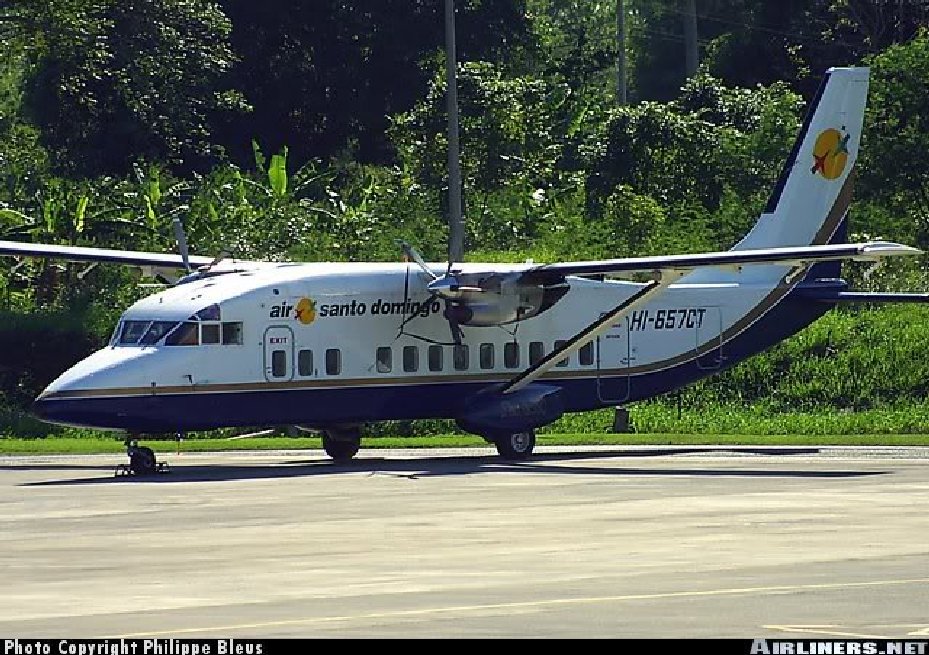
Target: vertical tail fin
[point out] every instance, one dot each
(813, 192)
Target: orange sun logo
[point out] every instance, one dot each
(306, 311)
(830, 154)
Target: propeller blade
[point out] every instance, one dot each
(457, 334)
(220, 256)
(411, 253)
(181, 242)
(409, 318)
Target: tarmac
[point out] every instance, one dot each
(748, 542)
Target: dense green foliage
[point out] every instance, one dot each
(318, 133)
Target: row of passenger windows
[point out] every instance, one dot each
(305, 363)
(461, 357)
(435, 358)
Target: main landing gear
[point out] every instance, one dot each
(342, 443)
(141, 460)
(517, 446)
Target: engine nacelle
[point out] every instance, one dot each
(501, 299)
(494, 412)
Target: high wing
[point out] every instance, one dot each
(100, 255)
(798, 255)
(669, 269)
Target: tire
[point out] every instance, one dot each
(142, 461)
(342, 445)
(517, 446)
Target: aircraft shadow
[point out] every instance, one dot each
(465, 465)
(56, 467)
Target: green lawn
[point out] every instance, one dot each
(87, 445)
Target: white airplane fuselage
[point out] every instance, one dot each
(322, 345)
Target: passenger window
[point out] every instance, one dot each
(305, 363)
(209, 333)
(333, 361)
(511, 354)
(435, 358)
(384, 359)
(410, 359)
(536, 352)
(586, 354)
(232, 334)
(278, 363)
(487, 355)
(461, 357)
(186, 335)
(561, 362)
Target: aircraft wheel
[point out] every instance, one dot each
(342, 444)
(142, 461)
(517, 446)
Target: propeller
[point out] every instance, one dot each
(447, 287)
(181, 242)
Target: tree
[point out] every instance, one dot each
(118, 80)
(514, 131)
(324, 76)
(896, 135)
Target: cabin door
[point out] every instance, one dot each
(279, 353)
(614, 353)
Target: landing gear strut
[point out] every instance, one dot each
(516, 446)
(141, 460)
(341, 444)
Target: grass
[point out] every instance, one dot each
(91, 445)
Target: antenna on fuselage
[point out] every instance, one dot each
(455, 219)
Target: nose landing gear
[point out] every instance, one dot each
(142, 460)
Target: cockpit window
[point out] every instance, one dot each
(132, 331)
(157, 331)
(209, 333)
(188, 334)
(210, 313)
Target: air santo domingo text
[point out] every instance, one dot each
(130, 647)
(306, 310)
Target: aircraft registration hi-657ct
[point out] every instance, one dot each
(500, 348)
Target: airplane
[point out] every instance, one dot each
(502, 349)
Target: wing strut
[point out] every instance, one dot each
(665, 279)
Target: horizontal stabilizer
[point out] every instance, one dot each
(862, 296)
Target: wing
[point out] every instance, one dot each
(790, 256)
(669, 269)
(99, 255)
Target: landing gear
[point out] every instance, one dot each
(341, 444)
(141, 460)
(516, 446)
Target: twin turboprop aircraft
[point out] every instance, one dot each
(502, 349)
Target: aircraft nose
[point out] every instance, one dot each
(41, 407)
(48, 409)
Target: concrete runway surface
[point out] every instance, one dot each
(815, 542)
